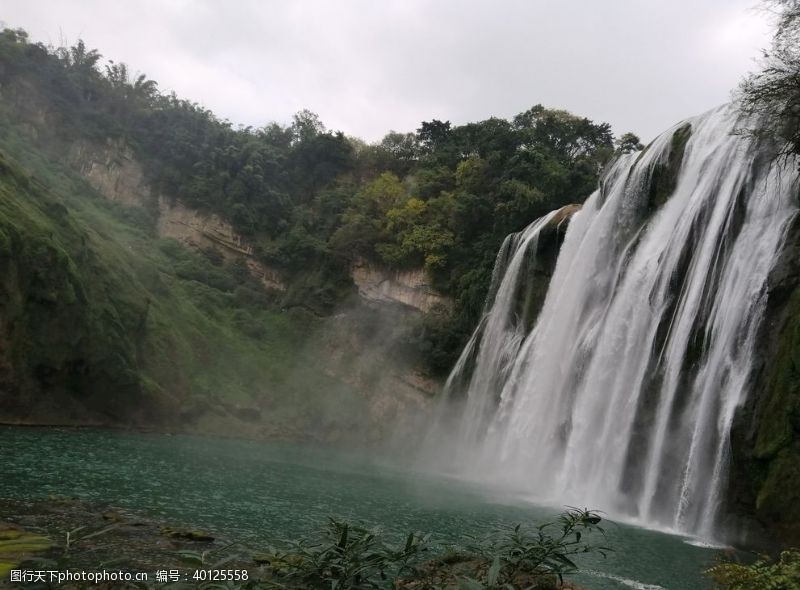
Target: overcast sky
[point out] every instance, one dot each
(370, 66)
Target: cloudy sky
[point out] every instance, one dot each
(367, 66)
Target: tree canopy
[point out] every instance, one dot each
(773, 94)
(442, 198)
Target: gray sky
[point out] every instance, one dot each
(368, 66)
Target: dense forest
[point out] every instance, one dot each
(311, 200)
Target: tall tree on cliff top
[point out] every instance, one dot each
(774, 93)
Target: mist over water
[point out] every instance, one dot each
(622, 393)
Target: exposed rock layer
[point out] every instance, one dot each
(406, 287)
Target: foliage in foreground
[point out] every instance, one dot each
(340, 556)
(764, 574)
(343, 556)
(532, 552)
(346, 556)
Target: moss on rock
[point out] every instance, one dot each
(664, 176)
(17, 546)
(765, 466)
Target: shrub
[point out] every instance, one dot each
(763, 574)
(518, 556)
(344, 556)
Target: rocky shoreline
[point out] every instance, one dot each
(60, 534)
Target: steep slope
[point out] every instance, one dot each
(102, 322)
(765, 484)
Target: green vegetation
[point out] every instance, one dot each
(763, 574)
(664, 176)
(99, 314)
(767, 472)
(346, 556)
(773, 94)
(340, 556)
(17, 546)
(310, 200)
(522, 556)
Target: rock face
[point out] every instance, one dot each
(543, 264)
(199, 230)
(408, 287)
(360, 346)
(203, 230)
(115, 173)
(765, 466)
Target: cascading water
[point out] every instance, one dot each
(622, 394)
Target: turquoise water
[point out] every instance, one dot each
(257, 491)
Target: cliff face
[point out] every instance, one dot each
(208, 231)
(765, 470)
(411, 288)
(114, 172)
(101, 323)
(362, 345)
(69, 330)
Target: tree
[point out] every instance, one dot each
(78, 57)
(629, 142)
(312, 199)
(306, 126)
(773, 94)
(564, 134)
(433, 134)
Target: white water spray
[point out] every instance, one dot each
(622, 394)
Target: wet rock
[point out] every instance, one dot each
(18, 545)
(189, 535)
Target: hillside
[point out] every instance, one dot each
(104, 323)
(282, 281)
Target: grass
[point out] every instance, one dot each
(16, 546)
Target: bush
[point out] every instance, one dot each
(347, 557)
(521, 554)
(763, 574)
(344, 557)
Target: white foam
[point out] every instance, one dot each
(622, 394)
(624, 581)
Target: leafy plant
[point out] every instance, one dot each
(520, 555)
(763, 574)
(344, 556)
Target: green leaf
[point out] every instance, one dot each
(469, 584)
(494, 571)
(343, 537)
(409, 542)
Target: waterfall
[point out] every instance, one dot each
(620, 396)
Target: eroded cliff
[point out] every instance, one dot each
(362, 344)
